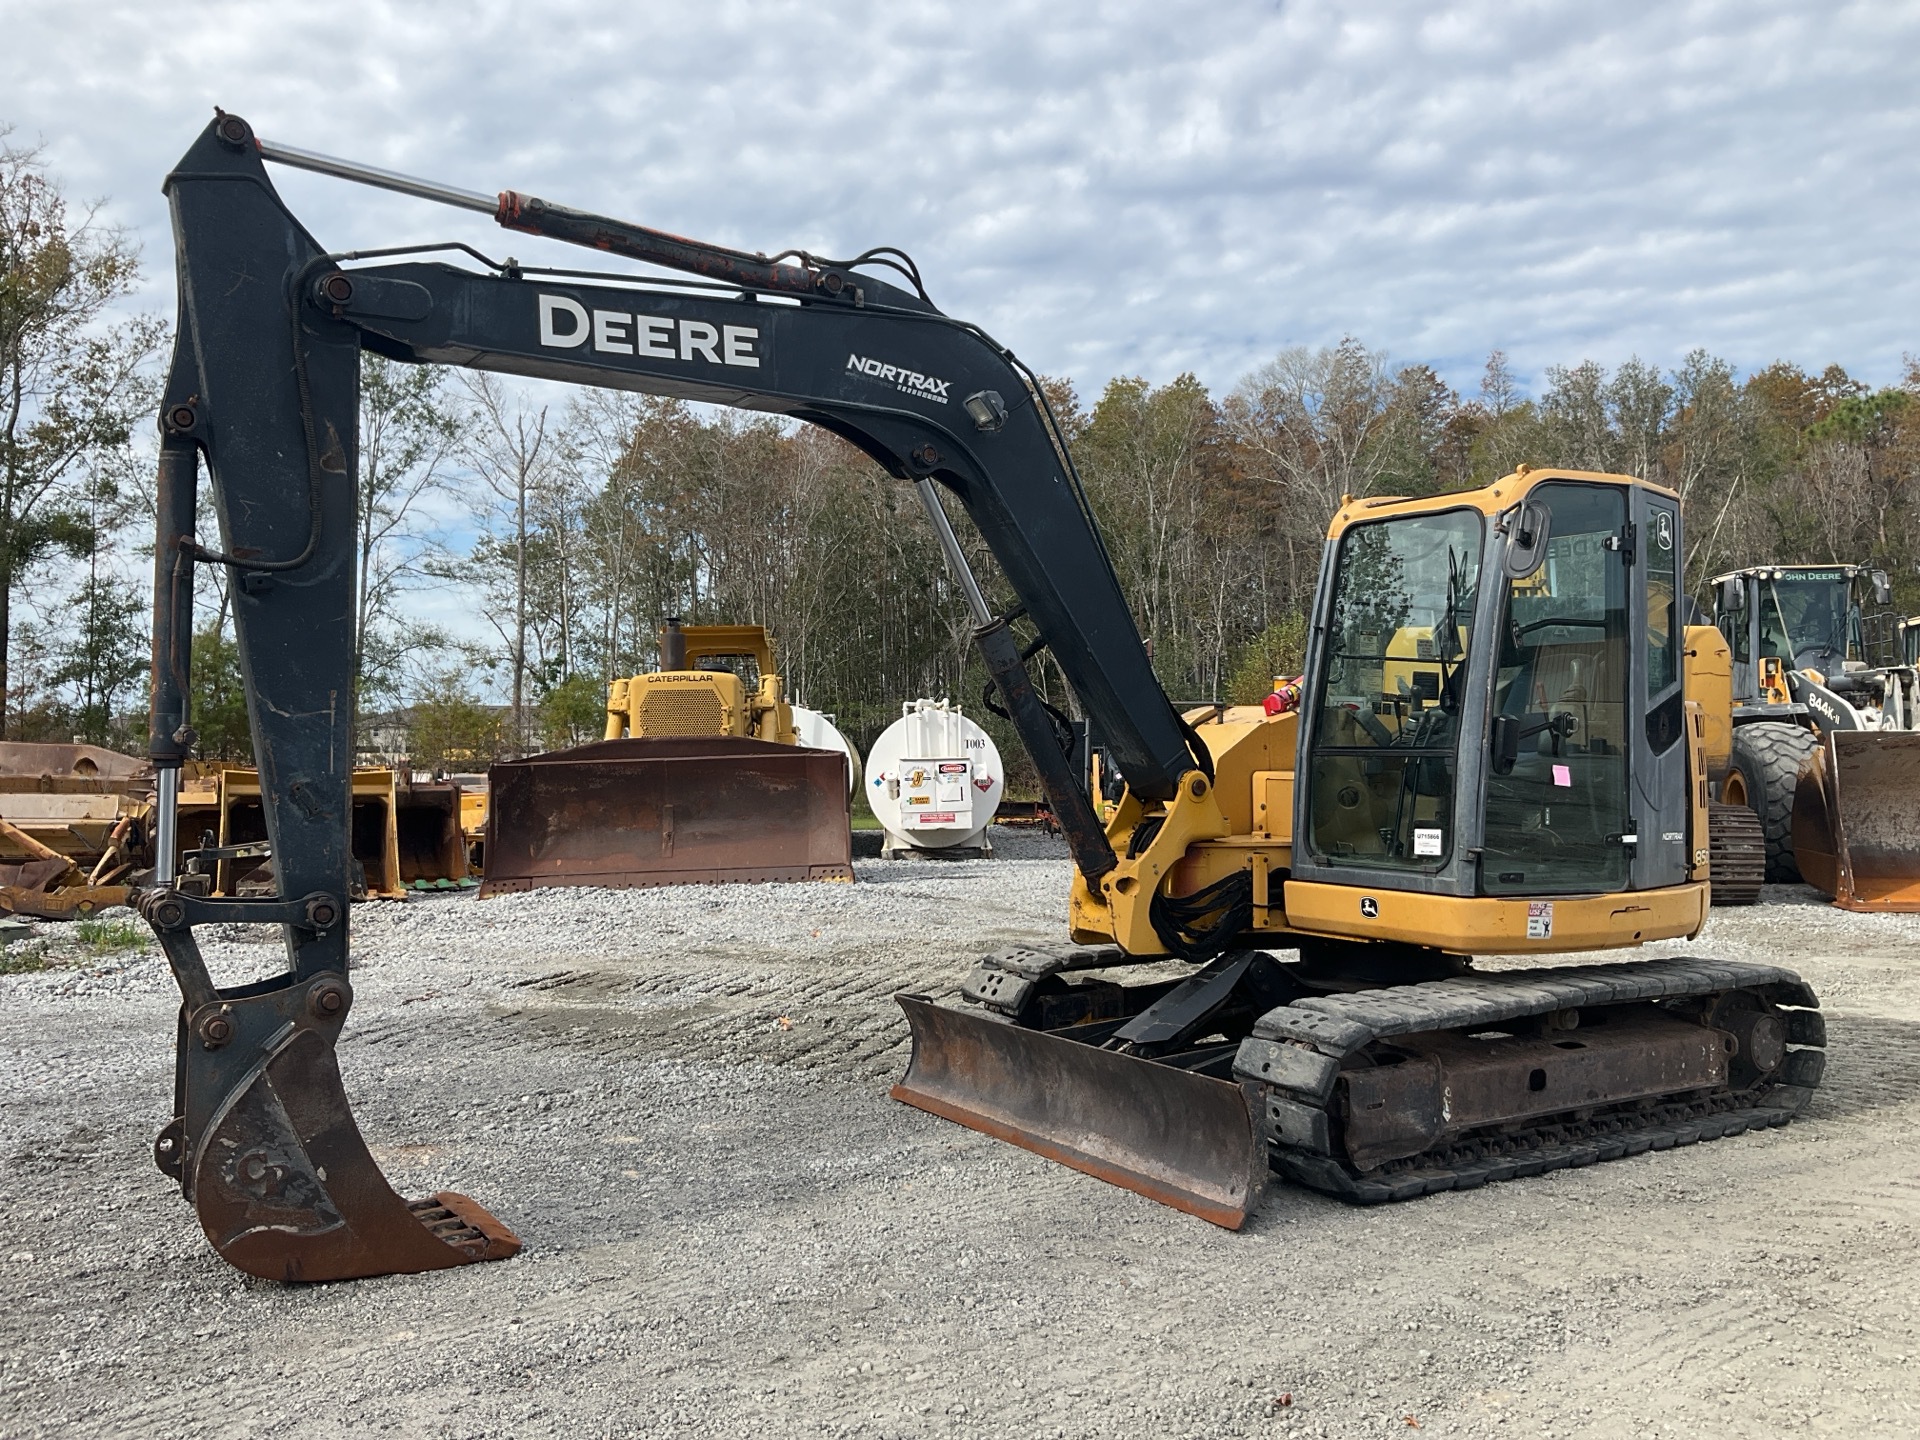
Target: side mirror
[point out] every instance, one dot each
(1882, 590)
(1731, 596)
(1505, 748)
(1527, 529)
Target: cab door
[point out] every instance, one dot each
(1662, 809)
(1559, 816)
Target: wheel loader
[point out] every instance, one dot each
(1824, 747)
(1271, 957)
(701, 779)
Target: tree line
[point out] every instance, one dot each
(570, 526)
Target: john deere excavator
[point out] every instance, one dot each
(1496, 755)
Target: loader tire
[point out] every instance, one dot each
(1762, 774)
(1737, 854)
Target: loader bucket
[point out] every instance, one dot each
(1856, 820)
(1182, 1139)
(673, 810)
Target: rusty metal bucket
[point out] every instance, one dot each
(266, 1148)
(676, 810)
(427, 833)
(1856, 820)
(1182, 1139)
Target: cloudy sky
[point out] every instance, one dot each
(1143, 188)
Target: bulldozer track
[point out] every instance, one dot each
(1345, 1023)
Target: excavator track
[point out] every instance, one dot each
(1318, 1044)
(1188, 1091)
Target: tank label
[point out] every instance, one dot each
(1539, 920)
(953, 767)
(933, 817)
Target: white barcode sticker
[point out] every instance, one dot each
(1427, 841)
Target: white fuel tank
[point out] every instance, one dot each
(934, 780)
(818, 732)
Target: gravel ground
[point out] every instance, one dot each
(678, 1098)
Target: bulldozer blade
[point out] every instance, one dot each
(279, 1176)
(1856, 820)
(673, 810)
(1182, 1139)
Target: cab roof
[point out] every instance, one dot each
(1504, 493)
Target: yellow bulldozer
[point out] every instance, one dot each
(701, 778)
(712, 680)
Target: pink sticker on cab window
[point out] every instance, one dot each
(1563, 775)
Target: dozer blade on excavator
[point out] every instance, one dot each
(667, 811)
(1856, 820)
(1181, 1138)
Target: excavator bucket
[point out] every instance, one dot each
(672, 810)
(266, 1148)
(1856, 820)
(1183, 1139)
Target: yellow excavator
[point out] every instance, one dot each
(1495, 754)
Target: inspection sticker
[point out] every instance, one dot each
(1563, 776)
(1539, 920)
(1426, 840)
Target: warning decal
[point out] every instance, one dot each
(1539, 920)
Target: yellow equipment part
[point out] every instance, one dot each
(684, 698)
(1856, 820)
(238, 819)
(473, 824)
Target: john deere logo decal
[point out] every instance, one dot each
(1369, 908)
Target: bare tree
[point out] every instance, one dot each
(410, 433)
(509, 450)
